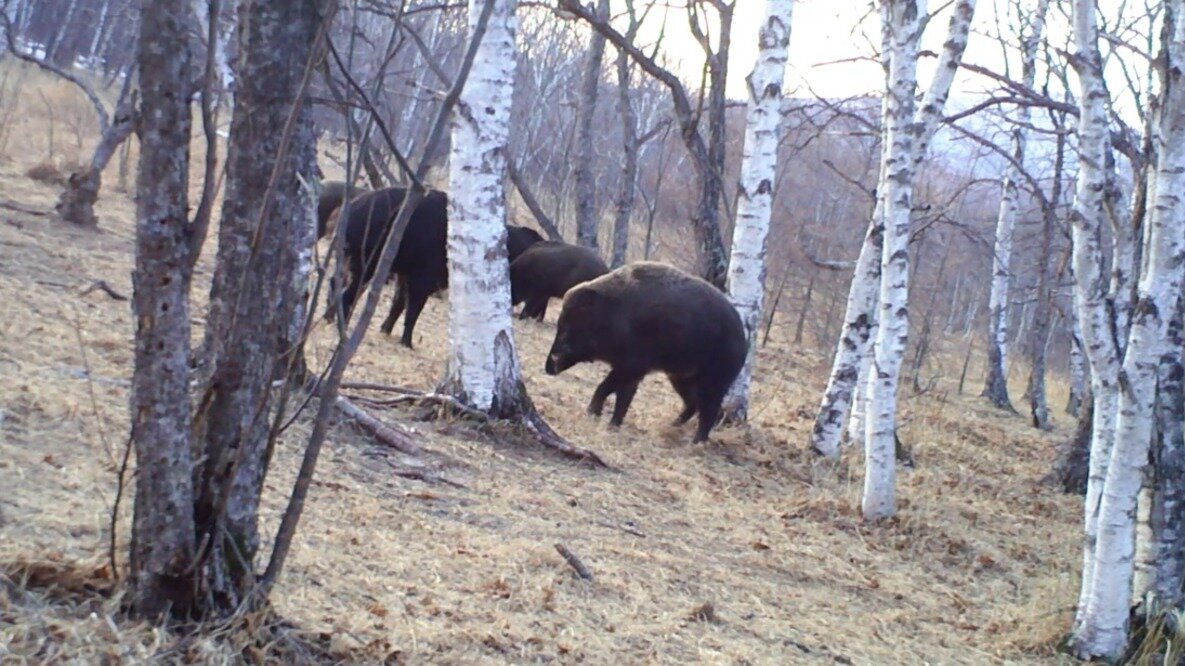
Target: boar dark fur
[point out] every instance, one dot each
(650, 317)
(548, 270)
(421, 262)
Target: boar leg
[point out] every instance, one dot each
(686, 390)
(398, 302)
(625, 395)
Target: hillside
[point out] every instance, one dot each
(745, 550)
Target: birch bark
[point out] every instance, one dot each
(1090, 283)
(860, 313)
(901, 133)
(755, 192)
(1103, 624)
(483, 370)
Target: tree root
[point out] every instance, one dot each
(528, 418)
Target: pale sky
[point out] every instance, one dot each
(826, 31)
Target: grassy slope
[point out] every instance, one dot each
(979, 566)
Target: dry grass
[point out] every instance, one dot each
(745, 550)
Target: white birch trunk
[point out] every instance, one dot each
(860, 314)
(1078, 371)
(996, 385)
(483, 370)
(856, 421)
(904, 21)
(907, 139)
(1090, 284)
(746, 267)
(1102, 630)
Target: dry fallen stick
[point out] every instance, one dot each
(386, 434)
(105, 288)
(13, 206)
(426, 477)
(368, 386)
(574, 561)
(624, 528)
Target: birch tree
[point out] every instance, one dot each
(903, 19)
(996, 385)
(1102, 623)
(860, 321)
(755, 191)
(483, 369)
(1090, 283)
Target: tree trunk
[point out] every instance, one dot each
(76, 203)
(755, 191)
(586, 208)
(996, 385)
(1102, 624)
(1072, 468)
(860, 314)
(1160, 536)
(257, 297)
(630, 146)
(806, 305)
(483, 370)
(904, 24)
(1078, 370)
(1038, 406)
(52, 48)
(857, 329)
(1090, 290)
(163, 540)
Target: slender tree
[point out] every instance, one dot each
(163, 535)
(257, 294)
(586, 208)
(1090, 283)
(903, 19)
(755, 191)
(996, 385)
(483, 369)
(860, 321)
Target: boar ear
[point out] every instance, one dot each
(584, 298)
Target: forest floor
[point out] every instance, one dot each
(745, 550)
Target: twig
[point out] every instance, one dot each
(90, 386)
(623, 528)
(367, 386)
(574, 561)
(14, 206)
(120, 483)
(105, 288)
(552, 440)
(386, 434)
(426, 477)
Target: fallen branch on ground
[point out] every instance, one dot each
(105, 288)
(538, 428)
(13, 206)
(574, 561)
(386, 434)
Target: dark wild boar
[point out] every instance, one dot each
(420, 267)
(650, 317)
(548, 270)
